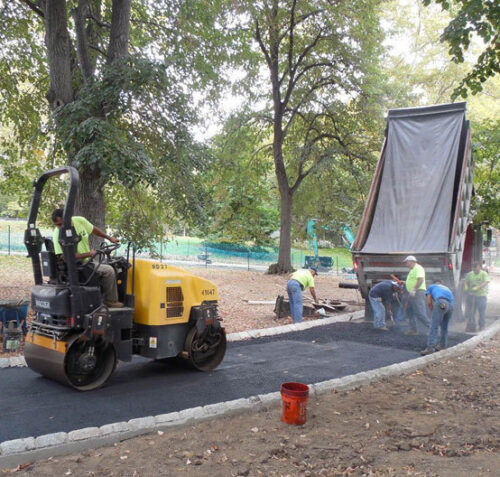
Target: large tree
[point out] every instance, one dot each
(312, 59)
(105, 85)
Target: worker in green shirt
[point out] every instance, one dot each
(476, 288)
(415, 285)
(105, 272)
(299, 281)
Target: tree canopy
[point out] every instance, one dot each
(473, 17)
(119, 88)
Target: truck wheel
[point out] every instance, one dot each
(206, 351)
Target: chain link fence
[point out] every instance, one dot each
(195, 251)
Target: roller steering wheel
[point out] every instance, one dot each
(104, 250)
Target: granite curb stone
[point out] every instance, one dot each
(49, 440)
(19, 450)
(82, 434)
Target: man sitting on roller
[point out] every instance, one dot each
(105, 272)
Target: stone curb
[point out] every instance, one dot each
(18, 361)
(13, 362)
(29, 449)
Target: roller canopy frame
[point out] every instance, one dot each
(68, 237)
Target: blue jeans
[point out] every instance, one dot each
(402, 310)
(477, 303)
(441, 315)
(417, 310)
(378, 312)
(294, 291)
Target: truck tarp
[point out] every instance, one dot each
(414, 196)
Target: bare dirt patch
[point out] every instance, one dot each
(442, 420)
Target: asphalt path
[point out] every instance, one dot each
(31, 405)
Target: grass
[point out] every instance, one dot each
(15, 269)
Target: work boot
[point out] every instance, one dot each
(438, 347)
(427, 351)
(382, 328)
(411, 333)
(114, 304)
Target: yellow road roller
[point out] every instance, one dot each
(77, 340)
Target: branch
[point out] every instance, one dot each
(96, 48)
(304, 99)
(292, 81)
(98, 21)
(82, 42)
(35, 7)
(258, 37)
(290, 46)
(300, 20)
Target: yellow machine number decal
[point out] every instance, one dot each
(208, 292)
(159, 266)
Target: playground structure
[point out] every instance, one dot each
(323, 262)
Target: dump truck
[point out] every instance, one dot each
(419, 201)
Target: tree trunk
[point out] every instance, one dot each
(64, 83)
(286, 194)
(120, 30)
(284, 257)
(59, 54)
(90, 201)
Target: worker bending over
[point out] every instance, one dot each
(106, 272)
(440, 301)
(381, 297)
(299, 281)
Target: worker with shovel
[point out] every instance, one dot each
(299, 281)
(381, 297)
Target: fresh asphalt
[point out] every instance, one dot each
(31, 405)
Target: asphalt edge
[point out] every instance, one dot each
(30, 449)
(18, 361)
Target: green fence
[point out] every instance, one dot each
(198, 251)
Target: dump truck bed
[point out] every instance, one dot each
(419, 199)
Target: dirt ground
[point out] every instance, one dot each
(235, 289)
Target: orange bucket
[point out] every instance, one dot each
(294, 396)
